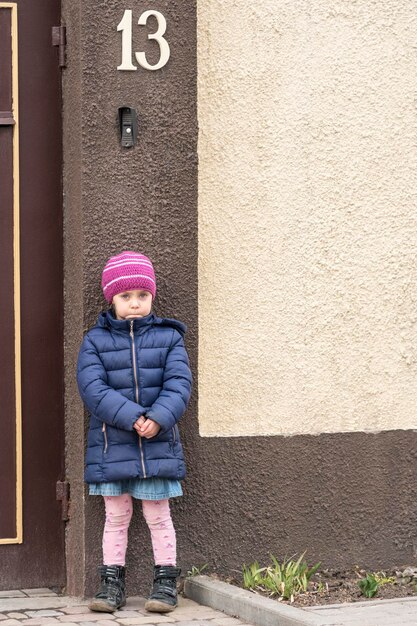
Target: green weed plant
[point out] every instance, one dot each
(196, 571)
(383, 579)
(372, 582)
(283, 580)
(368, 586)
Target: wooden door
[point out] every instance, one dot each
(31, 298)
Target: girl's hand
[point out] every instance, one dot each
(149, 428)
(139, 423)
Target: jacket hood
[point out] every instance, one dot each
(107, 320)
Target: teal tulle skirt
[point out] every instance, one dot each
(140, 488)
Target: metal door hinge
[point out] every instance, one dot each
(63, 494)
(6, 118)
(59, 38)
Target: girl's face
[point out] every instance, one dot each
(131, 304)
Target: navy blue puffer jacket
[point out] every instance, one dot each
(129, 368)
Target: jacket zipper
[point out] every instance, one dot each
(136, 392)
(175, 436)
(105, 436)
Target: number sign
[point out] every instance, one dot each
(125, 26)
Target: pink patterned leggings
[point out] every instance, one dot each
(119, 511)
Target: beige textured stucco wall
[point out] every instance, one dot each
(307, 216)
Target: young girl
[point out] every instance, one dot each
(134, 378)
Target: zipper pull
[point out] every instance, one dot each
(105, 436)
(131, 328)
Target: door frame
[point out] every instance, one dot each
(16, 275)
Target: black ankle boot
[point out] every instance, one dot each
(163, 597)
(112, 595)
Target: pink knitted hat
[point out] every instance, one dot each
(125, 271)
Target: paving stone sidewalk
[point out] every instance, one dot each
(36, 607)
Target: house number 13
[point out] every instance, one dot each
(126, 27)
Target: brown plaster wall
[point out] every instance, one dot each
(115, 199)
(346, 498)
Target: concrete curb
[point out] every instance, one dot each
(248, 606)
